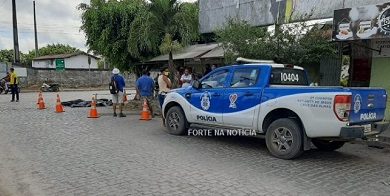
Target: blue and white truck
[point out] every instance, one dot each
(276, 101)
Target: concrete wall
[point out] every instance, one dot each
(72, 78)
(214, 14)
(380, 77)
(74, 62)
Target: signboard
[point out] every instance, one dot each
(60, 64)
(383, 45)
(365, 22)
(215, 14)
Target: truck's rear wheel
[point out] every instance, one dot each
(284, 138)
(327, 145)
(176, 122)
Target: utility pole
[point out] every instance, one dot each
(35, 31)
(15, 30)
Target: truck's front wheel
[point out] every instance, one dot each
(284, 138)
(326, 145)
(176, 122)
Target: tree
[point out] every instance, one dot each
(241, 39)
(107, 27)
(6, 55)
(50, 49)
(164, 26)
(296, 43)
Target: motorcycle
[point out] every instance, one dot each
(4, 86)
(53, 87)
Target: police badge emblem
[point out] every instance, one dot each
(357, 103)
(205, 101)
(233, 99)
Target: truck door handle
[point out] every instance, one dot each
(216, 95)
(188, 95)
(248, 94)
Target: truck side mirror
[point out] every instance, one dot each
(196, 84)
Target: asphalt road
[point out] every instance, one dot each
(44, 153)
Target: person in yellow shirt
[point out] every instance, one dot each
(14, 85)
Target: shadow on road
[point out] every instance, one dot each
(258, 144)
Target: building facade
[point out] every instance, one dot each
(214, 14)
(78, 60)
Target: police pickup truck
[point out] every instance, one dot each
(276, 102)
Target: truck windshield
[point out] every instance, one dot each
(288, 76)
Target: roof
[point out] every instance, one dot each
(189, 52)
(217, 52)
(64, 56)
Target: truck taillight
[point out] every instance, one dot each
(342, 106)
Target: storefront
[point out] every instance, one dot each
(364, 34)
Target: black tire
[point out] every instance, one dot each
(327, 145)
(284, 138)
(176, 121)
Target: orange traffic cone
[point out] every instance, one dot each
(59, 107)
(145, 114)
(41, 102)
(39, 97)
(93, 113)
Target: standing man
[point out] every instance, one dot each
(14, 85)
(145, 87)
(118, 91)
(164, 85)
(186, 78)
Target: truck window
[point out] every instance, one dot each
(215, 80)
(288, 76)
(244, 77)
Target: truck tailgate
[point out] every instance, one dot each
(368, 105)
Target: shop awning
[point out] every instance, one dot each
(189, 52)
(217, 52)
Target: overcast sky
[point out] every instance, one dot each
(58, 21)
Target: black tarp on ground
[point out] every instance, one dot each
(81, 103)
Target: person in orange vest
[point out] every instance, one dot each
(14, 85)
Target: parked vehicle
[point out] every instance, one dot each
(4, 87)
(276, 101)
(50, 87)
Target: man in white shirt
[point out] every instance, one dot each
(186, 78)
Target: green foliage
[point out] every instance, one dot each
(6, 56)
(168, 45)
(107, 26)
(241, 39)
(297, 43)
(164, 26)
(159, 19)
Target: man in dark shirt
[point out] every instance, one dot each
(119, 96)
(145, 87)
